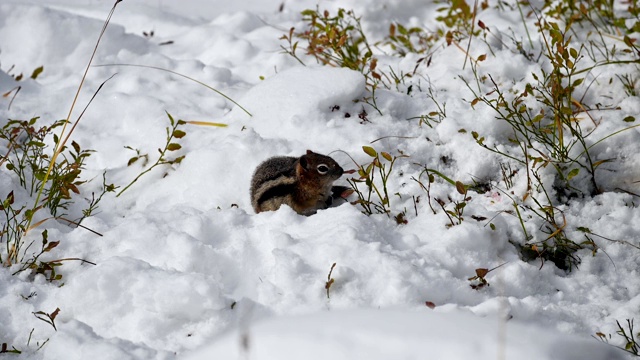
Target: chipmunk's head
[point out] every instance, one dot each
(318, 167)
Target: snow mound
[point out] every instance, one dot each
(392, 334)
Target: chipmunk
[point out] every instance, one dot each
(304, 183)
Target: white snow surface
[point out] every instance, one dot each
(185, 269)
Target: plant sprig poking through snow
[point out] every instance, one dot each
(375, 195)
(330, 280)
(173, 134)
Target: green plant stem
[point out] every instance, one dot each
(161, 160)
(138, 177)
(473, 23)
(526, 29)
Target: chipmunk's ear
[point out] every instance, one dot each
(309, 152)
(304, 163)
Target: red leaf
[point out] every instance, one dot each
(430, 305)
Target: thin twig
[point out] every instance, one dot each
(184, 76)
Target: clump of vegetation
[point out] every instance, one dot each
(373, 197)
(552, 120)
(339, 41)
(30, 160)
(551, 127)
(336, 40)
(630, 339)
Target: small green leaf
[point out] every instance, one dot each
(170, 118)
(629, 119)
(179, 134)
(493, 227)
(566, 110)
(573, 173)
(573, 52)
(178, 160)
(39, 174)
(537, 118)
(37, 72)
(627, 41)
(308, 12)
(584, 229)
(132, 160)
(174, 147)
(369, 168)
(35, 143)
(370, 151)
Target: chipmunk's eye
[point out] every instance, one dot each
(322, 169)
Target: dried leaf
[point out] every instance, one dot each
(54, 314)
(202, 123)
(430, 305)
(74, 188)
(482, 272)
(51, 245)
(328, 284)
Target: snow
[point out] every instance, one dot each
(374, 334)
(184, 269)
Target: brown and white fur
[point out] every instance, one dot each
(304, 183)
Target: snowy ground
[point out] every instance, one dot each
(185, 269)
